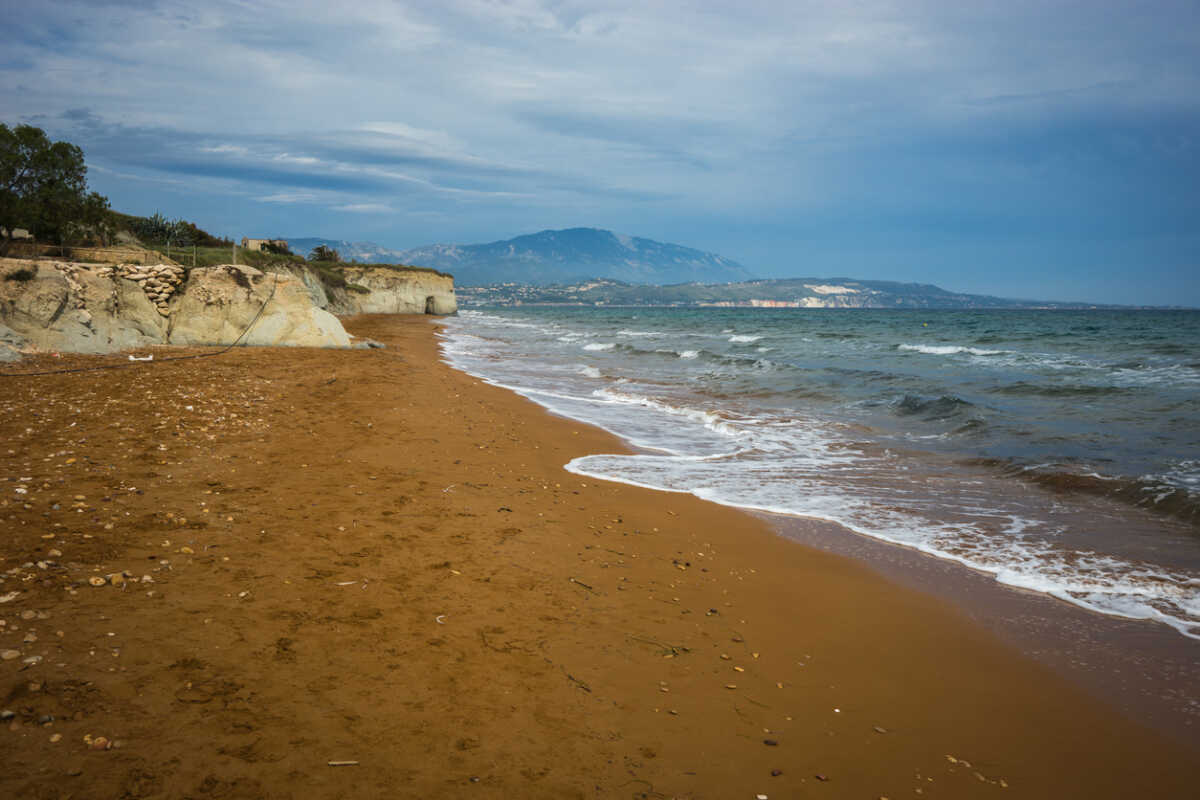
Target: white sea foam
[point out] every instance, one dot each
(810, 467)
(950, 350)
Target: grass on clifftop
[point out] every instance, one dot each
(333, 271)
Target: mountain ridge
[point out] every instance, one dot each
(552, 256)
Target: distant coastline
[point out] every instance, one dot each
(794, 293)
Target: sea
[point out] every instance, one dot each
(1055, 451)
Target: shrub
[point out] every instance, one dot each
(24, 274)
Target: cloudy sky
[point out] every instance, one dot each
(1024, 148)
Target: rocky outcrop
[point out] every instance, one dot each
(56, 306)
(398, 291)
(219, 303)
(83, 308)
(382, 290)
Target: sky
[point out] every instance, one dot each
(1044, 150)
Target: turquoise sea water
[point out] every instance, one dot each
(1058, 451)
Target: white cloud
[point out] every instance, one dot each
(288, 197)
(365, 208)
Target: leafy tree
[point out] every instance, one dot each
(43, 185)
(324, 253)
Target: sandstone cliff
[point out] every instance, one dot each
(48, 306)
(84, 308)
(387, 291)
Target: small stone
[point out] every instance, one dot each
(55, 738)
(9, 655)
(770, 743)
(6, 715)
(186, 550)
(28, 614)
(116, 579)
(30, 638)
(821, 777)
(96, 580)
(878, 729)
(775, 773)
(99, 743)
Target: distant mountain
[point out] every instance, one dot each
(362, 252)
(782, 293)
(550, 257)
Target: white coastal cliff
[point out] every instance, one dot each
(84, 308)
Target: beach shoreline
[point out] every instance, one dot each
(372, 557)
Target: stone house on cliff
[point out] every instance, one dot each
(259, 244)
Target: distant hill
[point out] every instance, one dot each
(362, 252)
(783, 293)
(551, 257)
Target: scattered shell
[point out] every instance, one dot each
(56, 737)
(100, 743)
(96, 580)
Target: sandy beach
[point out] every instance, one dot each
(327, 573)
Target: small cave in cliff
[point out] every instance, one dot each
(429, 305)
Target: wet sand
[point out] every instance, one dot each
(365, 556)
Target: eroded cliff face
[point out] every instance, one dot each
(85, 308)
(79, 308)
(389, 291)
(399, 292)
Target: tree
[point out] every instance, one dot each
(323, 253)
(43, 185)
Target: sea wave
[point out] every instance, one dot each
(930, 408)
(1105, 584)
(599, 346)
(744, 338)
(1175, 493)
(949, 350)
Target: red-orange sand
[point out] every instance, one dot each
(367, 557)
